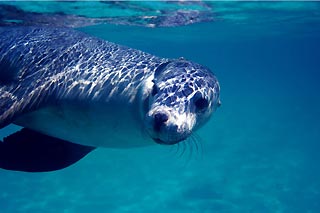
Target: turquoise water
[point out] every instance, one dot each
(260, 150)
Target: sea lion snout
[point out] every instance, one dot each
(159, 120)
(164, 128)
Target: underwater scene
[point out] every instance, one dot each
(258, 152)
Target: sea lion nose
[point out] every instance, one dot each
(159, 120)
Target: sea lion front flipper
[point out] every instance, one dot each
(30, 151)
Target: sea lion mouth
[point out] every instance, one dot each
(162, 131)
(161, 142)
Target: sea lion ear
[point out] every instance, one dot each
(155, 90)
(160, 68)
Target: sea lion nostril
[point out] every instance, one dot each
(159, 119)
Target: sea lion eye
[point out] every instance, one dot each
(155, 90)
(201, 104)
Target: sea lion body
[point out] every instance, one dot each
(67, 86)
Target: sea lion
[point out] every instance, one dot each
(72, 92)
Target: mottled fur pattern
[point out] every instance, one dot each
(48, 66)
(63, 64)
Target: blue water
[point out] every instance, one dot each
(260, 150)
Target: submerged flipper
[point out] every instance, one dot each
(31, 151)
